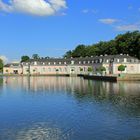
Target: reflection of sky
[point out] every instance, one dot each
(66, 108)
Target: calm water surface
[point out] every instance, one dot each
(68, 108)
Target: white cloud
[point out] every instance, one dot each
(130, 27)
(34, 7)
(4, 58)
(108, 20)
(85, 11)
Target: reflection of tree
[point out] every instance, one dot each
(1, 82)
(114, 94)
(121, 95)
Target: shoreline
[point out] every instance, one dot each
(111, 78)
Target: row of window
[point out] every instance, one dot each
(35, 70)
(85, 62)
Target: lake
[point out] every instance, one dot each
(68, 108)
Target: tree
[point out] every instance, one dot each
(35, 56)
(102, 68)
(68, 54)
(79, 51)
(121, 68)
(25, 58)
(81, 69)
(1, 65)
(128, 43)
(90, 69)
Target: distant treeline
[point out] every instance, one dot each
(128, 43)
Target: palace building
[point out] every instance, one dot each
(75, 66)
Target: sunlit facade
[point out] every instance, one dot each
(75, 66)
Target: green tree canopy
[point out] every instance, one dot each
(35, 56)
(81, 69)
(90, 69)
(101, 69)
(128, 43)
(25, 58)
(121, 68)
(1, 65)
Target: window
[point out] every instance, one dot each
(96, 61)
(54, 63)
(65, 63)
(125, 60)
(72, 62)
(59, 63)
(79, 62)
(101, 60)
(35, 63)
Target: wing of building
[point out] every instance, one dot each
(53, 66)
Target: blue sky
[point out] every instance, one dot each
(60, 25)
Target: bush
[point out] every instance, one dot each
(121, 68)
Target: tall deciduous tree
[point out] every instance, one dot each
(128, 43)
(25, 58)
(35, 56)
(1, 65)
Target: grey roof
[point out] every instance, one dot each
(13, 65)
(97, 59)
(80, 58)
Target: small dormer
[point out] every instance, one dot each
(72, 62)
(125, 60)
(35, 63)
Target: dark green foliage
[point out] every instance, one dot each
(90, 69)
(1, 65)
(35, 56)
(101, 69)
(68, 54)
(121, 68)
(81, 69)
(128, 43)
(25, 58)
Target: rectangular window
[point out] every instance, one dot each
(125, 60)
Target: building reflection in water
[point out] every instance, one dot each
(122, 95)
(116, 99)
(72, 84)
